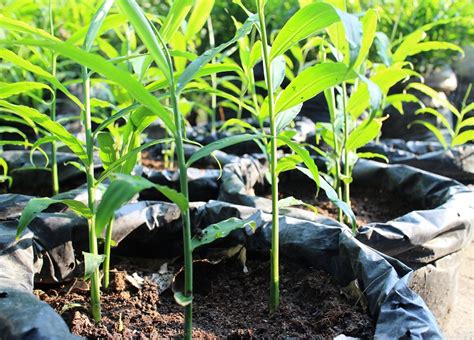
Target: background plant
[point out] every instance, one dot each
(461, 131)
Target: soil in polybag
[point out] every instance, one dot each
(228, 303)
(369, 204)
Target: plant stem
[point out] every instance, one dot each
(107, 250)
(54, 163)
(347, 174)
(337, 178)
(274, 272)
(183, 182)
(93, 249)
(212, 43)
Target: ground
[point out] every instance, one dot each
(461, 324)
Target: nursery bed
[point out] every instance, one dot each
(229, 303)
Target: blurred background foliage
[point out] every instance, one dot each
(398, 18)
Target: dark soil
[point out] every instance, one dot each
(368, 204)
(156, 162)
(228, 303)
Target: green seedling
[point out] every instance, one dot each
(461, 132)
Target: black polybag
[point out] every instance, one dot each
(429, 240)
(456, 163)
(324, 244)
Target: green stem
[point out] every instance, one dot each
(188, 255)
(54, 163)
(274, 259)
(347, 174)
(337, 178)
(93, 249)
(107, 252)
(183, 182)
(212, 43)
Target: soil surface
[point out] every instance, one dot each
(368, 204)
(155, 161)
(228, 303)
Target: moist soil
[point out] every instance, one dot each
(227, 303)
(368, 204)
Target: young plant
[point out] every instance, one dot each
(282, 106)
(351, 127)
(155, 41)
(121, 190)
(461, 133)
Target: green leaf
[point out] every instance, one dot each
(193, 68)
(312, 81)
(305, 157)
(206, 70)
(218, 145)
(182, 299)
(146, 33)
(433, 129)
(469, 122)
(176, 14)
(437, 115)
(28, 66)
(375, 93)
(55, 128)
(463, 138)
(132, 154)
(382, 43)
(220, 230)
(37, 205)
(370, 155)
(409, 42)
(16, 25)
(360, 100)
(397, 100)
(255, 54)
(115, 117)
(332, 196)
(13, 130)
(8, 90)
(238, 122)
(4, 177)
(363, 134)
(277, 69)
(434, 95)
(352, 37)
(110, 22)
(113, 73)
(427, 46)
(304, 23)
(92, 263)
(283, 119)
(287, 163)
(201, 11)
(122, 190)
(107, 148)
(291, 201)
(4, 166)
(467, 109)
(369, 28)
(96, 23)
